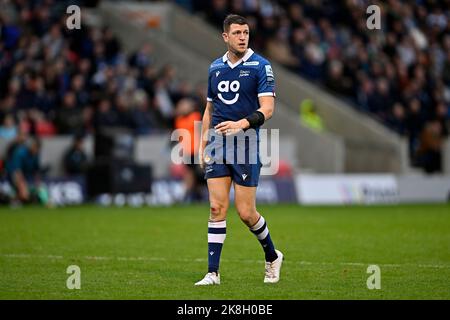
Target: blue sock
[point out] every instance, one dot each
(262, 233)
(217, 232)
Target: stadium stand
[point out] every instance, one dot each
(400, 77)
(55, 81)
(58, 81)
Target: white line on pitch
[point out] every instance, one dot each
(102, 258)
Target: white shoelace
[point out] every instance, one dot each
(270, 270)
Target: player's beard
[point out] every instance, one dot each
(238, 53)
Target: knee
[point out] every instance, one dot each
(247, 214)
(218, 210)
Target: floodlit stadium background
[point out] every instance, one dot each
(363, 117)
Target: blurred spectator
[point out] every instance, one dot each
(75, 160)
(41, 126)
(10, 33)
(185, 118)
(443, 116)
(415, 121)
(163, 102)
(382, 100)
(23, 171)
(78, 87)
(429, 151)
(143, 57)
(278, 48)
(366, 94)
(335, 79)
(144, 119)
(8, 129)
(104, 116)
(112, 46)
(69, 118)
(217, 11)
(309, 116)
(396, 119)
(124, 116)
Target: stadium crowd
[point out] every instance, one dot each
(59, 81)
(54, 81)
(401, 76)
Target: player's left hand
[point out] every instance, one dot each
(230, 127)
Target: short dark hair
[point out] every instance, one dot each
(233, 18)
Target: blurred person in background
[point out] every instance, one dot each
(104, 115)
(309, 116)
(8, 129)
(75, 160)
(23, 171)
(69, 117)
(429, 151)
(144, 118)
(185, 117)
(414, 123)
(396, 119)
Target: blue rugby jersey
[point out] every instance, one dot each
(234, 88)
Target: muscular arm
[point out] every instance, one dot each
(267, 106)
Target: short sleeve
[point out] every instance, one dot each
(266, 81)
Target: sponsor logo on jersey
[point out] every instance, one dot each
(244, 73)
(251, 63)
(226, 86)
(269, 71)
(215, 65)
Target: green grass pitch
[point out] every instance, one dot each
(158, 253)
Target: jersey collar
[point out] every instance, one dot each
(243, 59)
